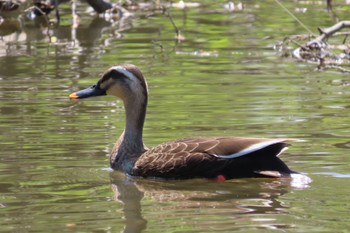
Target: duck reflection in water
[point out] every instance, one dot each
(241, 200)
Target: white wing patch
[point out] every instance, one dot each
(252, 149)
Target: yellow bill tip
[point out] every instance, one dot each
(73, 96)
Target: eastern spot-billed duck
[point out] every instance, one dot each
(223, 157)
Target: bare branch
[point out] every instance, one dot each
(328, 32)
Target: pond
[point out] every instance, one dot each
(222, 77)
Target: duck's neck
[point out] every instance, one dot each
(135, 118)
(130, 145)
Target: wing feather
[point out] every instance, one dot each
(203, 156)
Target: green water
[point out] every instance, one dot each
(223, 79)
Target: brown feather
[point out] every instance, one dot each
(194, 157)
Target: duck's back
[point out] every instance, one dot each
(210, 157)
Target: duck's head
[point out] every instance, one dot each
(124, 81)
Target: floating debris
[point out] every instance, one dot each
(182, 4)
(8, 5)
(318, 49)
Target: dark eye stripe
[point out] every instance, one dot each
(108, 75)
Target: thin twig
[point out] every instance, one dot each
(294, 17)
(293, 41)
(159, 45)
(341, 34)
(345, 38)
(58, 17)
(336, 67)
(177, 31)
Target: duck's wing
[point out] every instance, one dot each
(231, 147)
(213, 156)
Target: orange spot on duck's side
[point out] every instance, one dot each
(220, 178)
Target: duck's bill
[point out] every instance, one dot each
(94, 90)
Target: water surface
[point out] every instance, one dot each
(224, 78)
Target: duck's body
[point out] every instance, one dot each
(208, 157)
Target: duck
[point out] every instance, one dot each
(212, 157)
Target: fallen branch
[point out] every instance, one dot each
(328, 32)
(317, 49)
